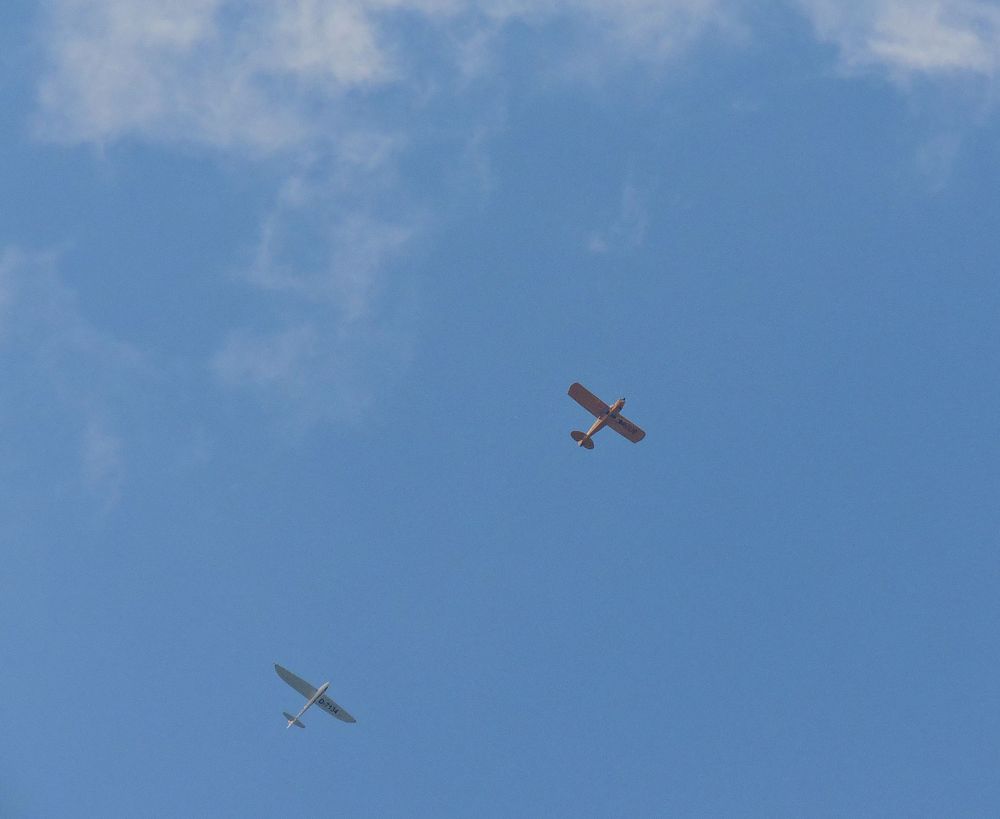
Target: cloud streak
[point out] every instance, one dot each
(203, 71)
(911, 37)
(328, 98)
(267, 77)
(628, 230)
(264, 77)
(64, 366)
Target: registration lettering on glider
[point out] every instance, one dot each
(313, 695)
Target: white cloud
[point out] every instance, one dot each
(272, 83)
(656, 29)
(327, 247)
(935, 159)
(103, 460)
(203, 71)
(64, 366)
(324, 258)
(628, 230)
(323, 95)
(266, 76)
(333, 43)
(310, 370)
(911, 37)
(264, 360)
(326, 92)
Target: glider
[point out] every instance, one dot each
(315, 696)
(606, 416)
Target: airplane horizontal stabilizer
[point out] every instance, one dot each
(291, 720)
(582, 439)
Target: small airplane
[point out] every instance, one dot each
(606, 416)
(315, 696)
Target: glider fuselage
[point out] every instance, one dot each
(319, 693)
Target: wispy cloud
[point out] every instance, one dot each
(935, 159)
(102, 456)
(330, 257)
(64, 366)
(327, 97)
(307, 370)
(911, 37)
(328, 238)
(290, 86)
(628, 229)
(275, 84)
(265, 76)
(230, 76)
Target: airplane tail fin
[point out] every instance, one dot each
(291, 720)
(582, 439)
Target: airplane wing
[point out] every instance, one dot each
(297, 683)
(586, 399)
(331, 707)
(626, 428)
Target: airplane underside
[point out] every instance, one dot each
(605, 415)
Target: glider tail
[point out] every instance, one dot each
(582, 439)
(291, 720)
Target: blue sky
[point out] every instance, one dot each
(290, 298)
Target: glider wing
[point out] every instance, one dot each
(297, 683)
(331, 707)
